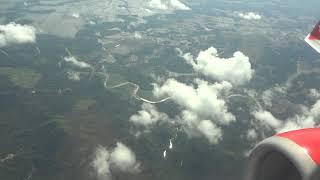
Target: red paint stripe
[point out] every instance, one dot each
(309, 139)
(315, 34)
(312, 38)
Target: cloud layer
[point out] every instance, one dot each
(121, 159)
(168, 5)
(236, 69)
(13, 33)
(204, 111)
(250, 16)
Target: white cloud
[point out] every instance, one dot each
(190, 122)
(252, 134)
(13, 33)
(273, 93)
(101, 163)
(75, 15)
(124, 159)
(204, 108)
(298, 122)
(92, 23)
(315, 110)
(168, 5)
(195, 127)
(148, 115)
(236, 69)
(77, 63)
(137, 35)
(203, 100)
(121, 158)
(250, 16)
(314, 94)
(72, 75)
(308, 119)
(267, 119)
(210, 131)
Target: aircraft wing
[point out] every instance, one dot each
(313, 39)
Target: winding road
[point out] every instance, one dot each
(135, 92)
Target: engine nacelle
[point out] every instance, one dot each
(292, 155)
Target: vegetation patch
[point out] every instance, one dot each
(84, 104)
(21, 77)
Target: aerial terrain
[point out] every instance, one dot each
(150, 89)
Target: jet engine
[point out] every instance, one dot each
(293, 155)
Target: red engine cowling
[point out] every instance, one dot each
(292, 155)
